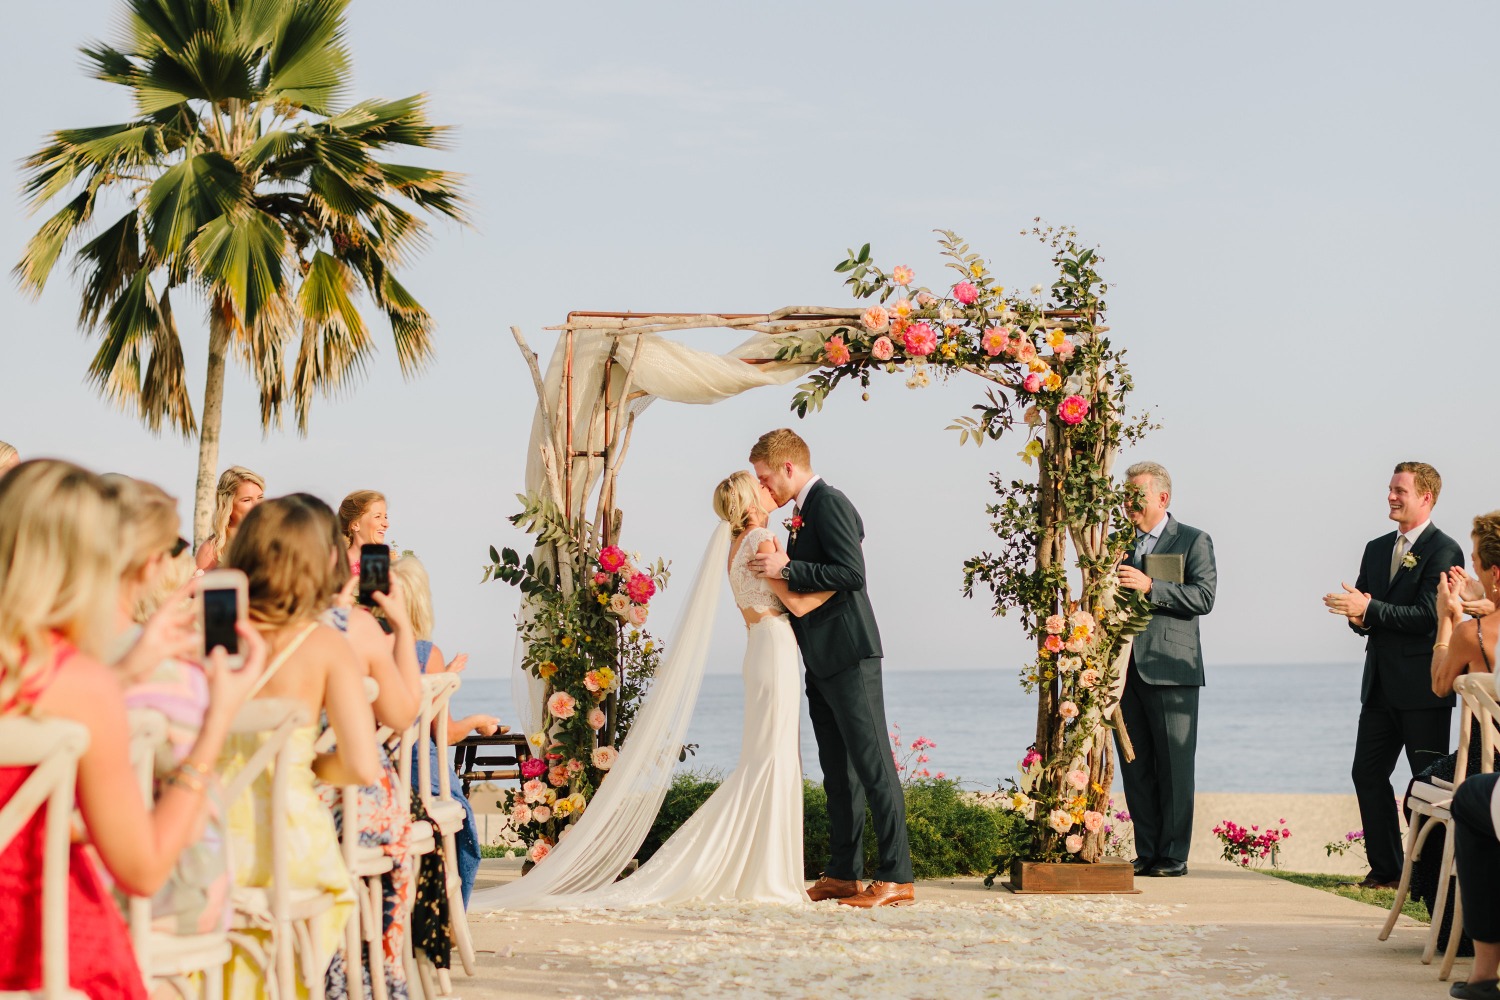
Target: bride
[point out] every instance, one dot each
(745, 842)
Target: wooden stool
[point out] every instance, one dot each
(490, 758)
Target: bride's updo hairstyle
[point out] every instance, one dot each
(734, 499)
(291, 550)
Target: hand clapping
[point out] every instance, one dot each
(1351, 604)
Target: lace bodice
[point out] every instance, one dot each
(751, 592)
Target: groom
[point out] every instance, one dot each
(841, 648)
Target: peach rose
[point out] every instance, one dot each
(902, 275)
(1025, 351)
(1056, 624)
(882, 349)
(835, 351)
(1088, 678)
(875, 319)
(538, 851)
(638, 614)
(925, 299)
(596, 718)
(1064, 350)
(619, 605)
(557, 776)
(574, 767)
(1068, 710)
(561, 705)
(1060, 820)
(1074, 844)
(1092, 821)
(605, 757)
(1078, 778)
(533, 790)
(520, 814)
(541, 813)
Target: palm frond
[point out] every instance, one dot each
(115, 369)
(43, 249)
(335, 340)
(411, 326)
(164, 391)
(308, 64)
(244, 252)
(104, 264)
(435, 190)
(263, 347)
(186, 197)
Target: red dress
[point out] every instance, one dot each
(101, 962)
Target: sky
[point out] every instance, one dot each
(1295, 204)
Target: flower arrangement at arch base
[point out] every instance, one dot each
(586, 645)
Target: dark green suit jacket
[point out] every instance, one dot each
(827, 554)
(1168, 652)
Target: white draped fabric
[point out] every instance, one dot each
(664, 369)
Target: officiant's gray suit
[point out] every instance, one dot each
(1160, 703)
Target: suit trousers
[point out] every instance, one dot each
(854, 750)
(1162, 720)
(1384, 731)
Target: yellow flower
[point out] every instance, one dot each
(648, 648)
(1052, 382)
(948, 350)
(551, 797)
(562, 808)
(976, 269)
(1039, 366)
(578, 801)
(1097, 788)
(1056, 337)
(567, 641)
(603, 599)
(546, 670)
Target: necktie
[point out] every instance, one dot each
(1139, 559)
(1398, 555)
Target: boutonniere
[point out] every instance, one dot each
(1409, 560)
(793, 525)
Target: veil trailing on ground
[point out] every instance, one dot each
(599, 846)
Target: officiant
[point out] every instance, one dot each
(1173, 565)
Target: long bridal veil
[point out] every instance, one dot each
(598, 846)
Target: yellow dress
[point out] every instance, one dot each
(314, 859)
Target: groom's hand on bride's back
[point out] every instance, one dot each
(768, 564)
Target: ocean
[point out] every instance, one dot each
(1282, 728)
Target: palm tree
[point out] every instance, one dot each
(247, 182)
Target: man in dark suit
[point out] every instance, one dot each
(840, 646)
(1393, 603)
(1160, 701)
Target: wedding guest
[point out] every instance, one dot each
(60, 529)
(1160, 701)
(290, 550)
(1476, 805)
(1393, 605)
(363, 518)
(8, 458)
(195, 899)
(239, 491)
(417, 587)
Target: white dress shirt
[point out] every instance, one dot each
(806, 488)
(1146, 544)
(1410, 536)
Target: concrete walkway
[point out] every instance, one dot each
(1238, 933)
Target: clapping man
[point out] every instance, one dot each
(1393, 604)
(1160, 701)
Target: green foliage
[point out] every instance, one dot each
(1339, 886)
(950, 834)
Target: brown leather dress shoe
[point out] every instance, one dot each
(834, 888)
(883, 894)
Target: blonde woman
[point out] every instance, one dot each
(154, 621)
(8, 458)
(745, 842)
(60, 531)
(289, 549)
(363, 518)
(239, 491)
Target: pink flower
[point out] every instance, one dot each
(638, 615)
(534, 790)
(920, 340)
(925, 299)
(995, 340)
(611, 558)
(1032, 757)
(532, 767)
(600, 579)
(835, 351)
(902, 308)
(557, 776)
(1025, 350)
(1064, 350)
(1082, 619)
(882, 349)
(1033, 383)
(941, 775)
(605, 757)
(1068, 710)
(520, 814)
(1073, 409)
(875, 319)
(596, 718)
(1053, 644)
(641, 588)
(575, 767)
(542, 814)
(902, 275)
(1076, 645)
(1060, 820)
(1092, 821)
(1088, 678)
(1056, 624)
(561, 705)
(539, 850)
(1074, 844)
(1079, 779)
(966, 293)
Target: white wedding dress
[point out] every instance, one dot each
(745, 842)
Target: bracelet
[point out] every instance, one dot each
(189, 776)
(1439, 645)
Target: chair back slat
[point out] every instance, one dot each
(148, 733)
(1477, 692)
(437, 691)
(277, 718)
(52, 747)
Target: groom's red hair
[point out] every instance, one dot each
(779, 446)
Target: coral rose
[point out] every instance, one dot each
(994, 341)
(1092, 821)
(1025, 351)
(902, 275)
(596, 718)
(920, 340)
(1060, 820)
(561, 705)
(1064, 350)
(882, 349)
(1056, 624)
(600, 579)
(538, 851)
(605, 757)
(875, 319)
(641, 588)
(611, 558)
(1053, 644)
(1074, 844)
(1072, 410)
(1068, 710)
(541, 813)
(1033, 383)
(836, 352)
(557, 776)
(966, 293)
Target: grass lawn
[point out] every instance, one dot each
(1375, 897)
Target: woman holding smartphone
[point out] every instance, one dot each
(60, 527)
(289, 550)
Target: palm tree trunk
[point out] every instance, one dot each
(220, 318)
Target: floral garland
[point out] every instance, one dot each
(1054, 373)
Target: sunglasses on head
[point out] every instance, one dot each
(178, 547)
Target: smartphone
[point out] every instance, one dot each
(222, 604)
(374, 572)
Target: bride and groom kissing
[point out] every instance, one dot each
(745, 842)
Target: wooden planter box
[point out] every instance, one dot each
(1109, 875)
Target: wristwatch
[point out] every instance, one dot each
(786, 571)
